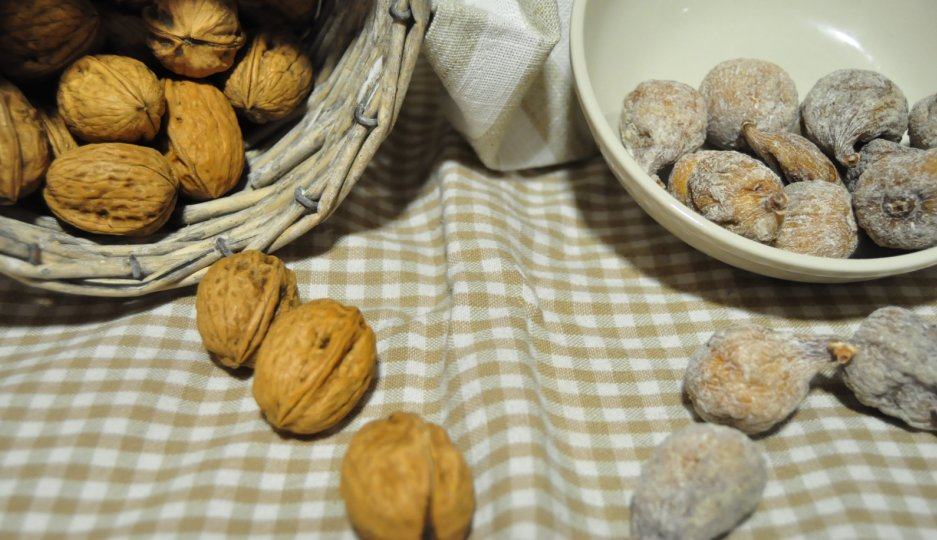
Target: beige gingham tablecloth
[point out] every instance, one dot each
(541, 317)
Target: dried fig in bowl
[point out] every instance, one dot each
(922, 123)
(194, 38)
(24, 150)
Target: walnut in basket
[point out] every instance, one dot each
(24, 151)
(195, 38)
(60, 138)
(111, 188)
(314, 365)
(206, 149)
(109, 98)
(237, 300)
(271, 80)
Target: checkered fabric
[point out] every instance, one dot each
(542, 318)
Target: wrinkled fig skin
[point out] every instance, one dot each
(922, 124)
(747, 90)
(895, 370)
(681, 172)
(896, 201)
(871, 153)
(853, 106)
(700, 483)
(194, 38)
(24, 150)
(236, 302)
(818, 221)
(790, 155)
(751, 378)
(403, 479)
(661, 121)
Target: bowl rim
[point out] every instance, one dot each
(612, 149)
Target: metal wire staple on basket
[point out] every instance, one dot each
(299, 170)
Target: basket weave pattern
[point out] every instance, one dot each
(299, 170)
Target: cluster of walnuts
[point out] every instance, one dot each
(131, 101)
(402, 477)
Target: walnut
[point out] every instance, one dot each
(108, 98)
(111, 188)
(40, 37)
(195, 38)
(60, 138)
(272, 80)
(403, 478)
(314, 365)
(206, 150)
(237, 300)
(24, 151)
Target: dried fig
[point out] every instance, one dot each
(790, 155)
(194, 38)
(206, 149)
(237, 300)
(682, 169)
(271, 80)
(661, 121)
(896, 201)
(111, 188)
(314, 365)
(747, 90)
(872, 152)
(922, 124)
(852, 106)
(24, 151)
(108, 98)
(818, 221)
(402, 478)
(60, 138)
(40, 37)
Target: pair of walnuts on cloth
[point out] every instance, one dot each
(401, 477)
(135, 117)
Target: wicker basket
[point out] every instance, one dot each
(299, 171)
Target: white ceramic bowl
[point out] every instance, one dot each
(616, 44)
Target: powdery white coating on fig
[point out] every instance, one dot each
(739, 193)
(872, 152)
(661, 121)
(895, 369)
(790, 155)
(896, 201)
(853, 106)
(922, 124)
(818, 221)
(747, 90)
(751, 378)
(680, 174)
(699, 483)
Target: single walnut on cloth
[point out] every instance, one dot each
(110, 98)
(24, 150)
(236, 302)
(194, 38)
(314, 365)
(402, 478)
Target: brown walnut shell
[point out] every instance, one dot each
(194, 38)
(24, 151)
(60, 138)
(40, 37)
(272, 80)
(111, 188)
(314, 365)
(109, 98)
(206, 149)
(237, 300)
(402, 478)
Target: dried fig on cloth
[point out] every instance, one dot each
(871, 153)
(790, 155)
(699, 483)
(24, 150)
(60, 138)
(314, 365)
(852, 106)
(895, 370)
(194, 38)
(206, 149)
(236, 302)
(818, 220)
(751, 378)
(747, 90)
(922, 124)
(109, 98)
(40, 37)
(271, 80)
(402, 478)
(111, 188)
